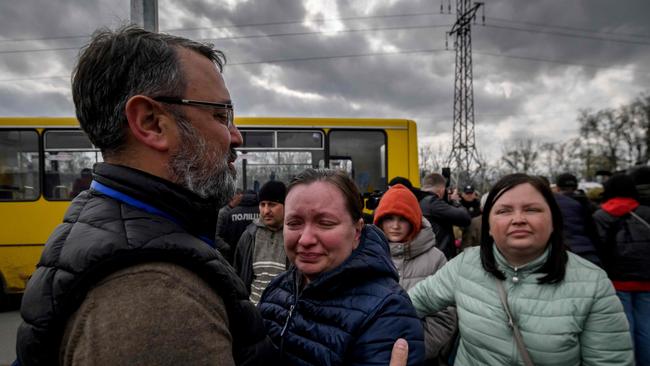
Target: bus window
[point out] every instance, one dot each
(364, 154)
(258, 139)
(297, 139)
(277, 155)
(254, 168)
(69, 158)
(19, 164)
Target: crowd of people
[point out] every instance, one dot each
(163, 262)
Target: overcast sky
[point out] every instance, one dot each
(536, 63)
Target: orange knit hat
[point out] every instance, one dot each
(400, 201)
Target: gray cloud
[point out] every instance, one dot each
(517, 88)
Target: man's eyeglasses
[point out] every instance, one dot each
(223, 112)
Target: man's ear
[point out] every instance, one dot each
(149, 123)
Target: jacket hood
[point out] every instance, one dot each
(371, 259)
(422, 243)
(620, 206)
(400, 201)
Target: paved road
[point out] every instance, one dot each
(9, 320)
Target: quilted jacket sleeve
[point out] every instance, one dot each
(436, 292)
(243, 259)
(394, 319)
(606, 339)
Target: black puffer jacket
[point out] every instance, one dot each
(101, 234)
(626, 239)
(443, 217)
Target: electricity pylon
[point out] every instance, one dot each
(463, 158)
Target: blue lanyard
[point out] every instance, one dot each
(110, 192)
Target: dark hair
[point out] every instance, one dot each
(567, 182)
(641, 175)
(340, 180)
(401, 180)
(555, 266)
(620, 185)
(117, 65)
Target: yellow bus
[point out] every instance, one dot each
(45, 162)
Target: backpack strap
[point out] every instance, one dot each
(641, 220)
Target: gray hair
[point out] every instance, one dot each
(117, 65)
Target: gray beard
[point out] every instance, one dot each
(191, 167)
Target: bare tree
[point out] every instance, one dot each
(561, 157)
(432, 160)
(521, 157)
(607, 128)
(640, 113)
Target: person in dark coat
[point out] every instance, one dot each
(624, 227)
(238, 220)
(442, 215)
(641, 177)
(340, 303)
(260, 256)
(470, 200)
(579, 231)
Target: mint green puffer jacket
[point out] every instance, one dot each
(578, 321)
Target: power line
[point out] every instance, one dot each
(564, 34)
(432, 50)
(272, 35)
(562, 62)
(324, 20)
(272, 61)
(242, 25)
(321, 32)
(577, 29)
(40, 50)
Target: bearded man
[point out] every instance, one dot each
(132, 276)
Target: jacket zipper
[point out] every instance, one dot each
(286, 322)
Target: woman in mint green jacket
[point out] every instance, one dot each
(564, 306)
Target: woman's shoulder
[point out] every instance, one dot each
(581, 271)
(470, 256)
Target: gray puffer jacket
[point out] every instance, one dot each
(416, 261)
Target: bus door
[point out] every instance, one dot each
(362, 153)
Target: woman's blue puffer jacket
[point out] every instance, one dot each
(350, 315)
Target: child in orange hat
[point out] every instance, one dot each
(412, 248)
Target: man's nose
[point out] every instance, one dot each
(236, 140)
